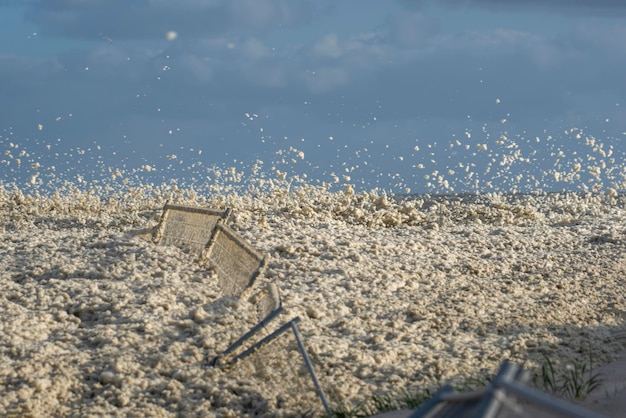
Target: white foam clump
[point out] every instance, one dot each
(394, 293)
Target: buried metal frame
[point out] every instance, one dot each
(217, 216)
(290, 326)
(217, 361)
(487, 403)
(229, 286)
(505, 379)
(235, 261)
(271, 293)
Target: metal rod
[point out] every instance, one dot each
(309, 366)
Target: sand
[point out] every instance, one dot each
(99, 321)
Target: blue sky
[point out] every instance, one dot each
(402, 95)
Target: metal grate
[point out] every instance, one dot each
(202, 232)
(266, 301)
(506, 396)
(189, 228)
(236, 263)
(268, 306)
(281, 362)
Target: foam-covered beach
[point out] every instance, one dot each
(303, 208)
(394, 293)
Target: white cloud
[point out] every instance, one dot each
(588, 7)
(150, 19)
(324, 79)
(411, 29)
(199, 68)
(328, 47)
(255, 49)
